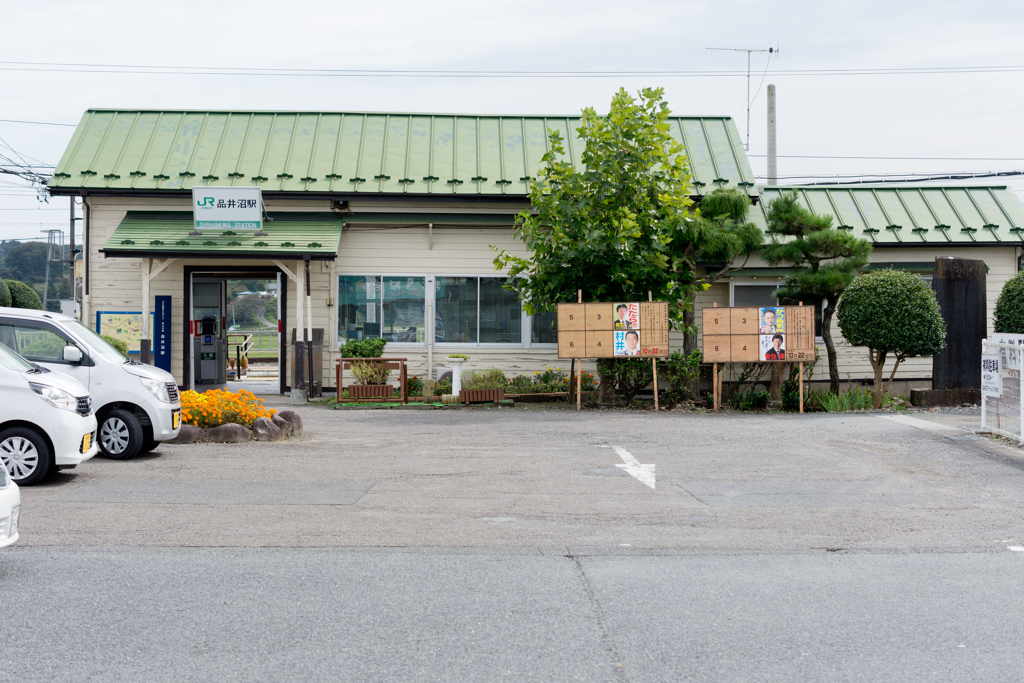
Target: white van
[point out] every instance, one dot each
(136, 405)
(46, 420)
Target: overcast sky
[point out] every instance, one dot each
(969, 120)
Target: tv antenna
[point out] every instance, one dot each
(771, 50)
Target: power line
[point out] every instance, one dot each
(826, 156)
(38, 123)
(478, 73)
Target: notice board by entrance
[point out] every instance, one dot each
(613, 330)
(753, 335)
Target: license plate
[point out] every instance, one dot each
(86, 443)
(15, 513)
(175, 419)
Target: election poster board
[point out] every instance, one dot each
(613, 330)
(752, 335)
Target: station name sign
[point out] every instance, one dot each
(613, 330)
(227, 208)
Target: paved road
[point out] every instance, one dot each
(497, 544)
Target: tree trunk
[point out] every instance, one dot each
(689, 345)
(879, 366)
(830, 347)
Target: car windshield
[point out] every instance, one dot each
(12, 361)
(96, 342)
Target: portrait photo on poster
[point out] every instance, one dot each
(627, 316)
(772, 320)
(627, 343)
(773, 347)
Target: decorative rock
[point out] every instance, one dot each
(265, 430)
(284, 425)
(294, 418)
(189, 434)
(229, 433)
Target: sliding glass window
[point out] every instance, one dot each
(389, 307)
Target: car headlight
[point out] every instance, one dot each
(158, 389)
(58, 398)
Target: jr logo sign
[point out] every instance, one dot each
(207, 201)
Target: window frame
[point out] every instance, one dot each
(428, 329)
(762, 281)
(430, 309)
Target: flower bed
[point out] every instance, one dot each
(219, 406)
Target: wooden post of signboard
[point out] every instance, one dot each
(579, 376)
(654, 363)
(714, 379)
(801, 381)
(572, 371)
(801, 387)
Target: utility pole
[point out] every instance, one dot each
(771, 51)
(773, 159)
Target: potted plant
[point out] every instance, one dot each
(457, 359)
(373, 378)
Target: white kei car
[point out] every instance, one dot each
(46, 420)
(10, 507)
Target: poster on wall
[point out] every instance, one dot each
(123, 325)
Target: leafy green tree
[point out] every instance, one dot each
(1009, 318)
(824, 262)
(623, 224)
(891, 312)
(5, 294)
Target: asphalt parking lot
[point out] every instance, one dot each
(536, 478)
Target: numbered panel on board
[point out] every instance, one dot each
(717, 321)
(572, 317)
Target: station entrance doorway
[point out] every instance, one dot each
(233, 322)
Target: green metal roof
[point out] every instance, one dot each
(169, 235)
(914, 215)
(443, 219)
(432, 154)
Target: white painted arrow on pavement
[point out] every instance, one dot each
(644, 473)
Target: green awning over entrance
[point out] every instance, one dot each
(171, 235)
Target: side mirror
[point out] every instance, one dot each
(72, 354)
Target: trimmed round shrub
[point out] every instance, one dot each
(23, 296)
(1010, 306)
(5, 294)
(892, 311)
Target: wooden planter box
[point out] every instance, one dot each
(370, 391)
(468, 396)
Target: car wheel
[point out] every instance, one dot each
(120, 435)
(25, 454)
(148, 444)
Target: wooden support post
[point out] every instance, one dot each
(654, 363)
(579, 377)
(572, 373)
(801, 387)
(714, 386)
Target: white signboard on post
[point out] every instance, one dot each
(1010, 358)
(227, 208)
(991, 382)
